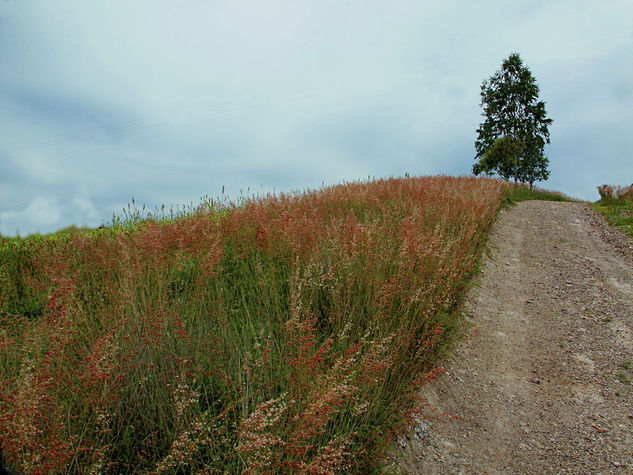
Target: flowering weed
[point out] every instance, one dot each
(288, 333)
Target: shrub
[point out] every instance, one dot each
(609, 192)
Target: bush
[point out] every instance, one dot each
(609, 192)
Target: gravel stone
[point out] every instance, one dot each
(537, 386)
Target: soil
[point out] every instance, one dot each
(542, 384)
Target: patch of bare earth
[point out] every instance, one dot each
(537, 386)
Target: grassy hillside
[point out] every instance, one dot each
(518, 193)
(616, 204)
(289, 333)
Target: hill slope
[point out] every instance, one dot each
(288, 333)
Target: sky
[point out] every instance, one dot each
(166, 102)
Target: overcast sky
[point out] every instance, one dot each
(168, 101)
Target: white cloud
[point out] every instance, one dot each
(84, 207)
(41, 167)
(43, 210)
(42, 214)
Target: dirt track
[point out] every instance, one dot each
(541, 384)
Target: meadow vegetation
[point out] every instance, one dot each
(519, 192)
(288, 333)
(616, 205)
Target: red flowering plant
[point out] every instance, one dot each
(283, 333)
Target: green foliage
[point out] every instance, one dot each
(501, 158)
(513, 115)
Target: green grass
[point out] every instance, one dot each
(618, 212)
(623, 378)
(518, 193)
(288, 333)
(623, 375)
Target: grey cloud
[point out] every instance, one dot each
(57, 106)
(623, 91)
(99, 104)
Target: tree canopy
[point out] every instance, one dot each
(511, 140)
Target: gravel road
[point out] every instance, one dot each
(542, 384)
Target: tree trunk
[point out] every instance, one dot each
(516, 167)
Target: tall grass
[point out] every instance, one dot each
(286, 334)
